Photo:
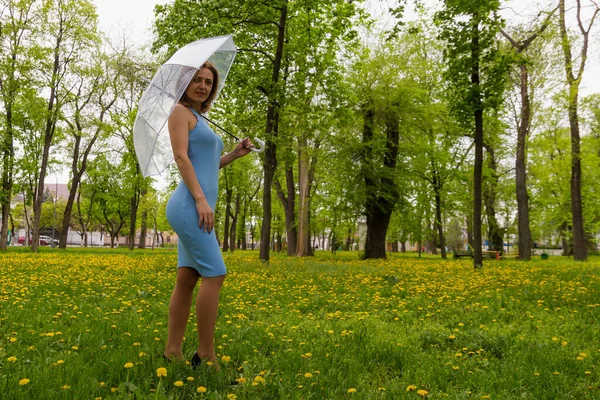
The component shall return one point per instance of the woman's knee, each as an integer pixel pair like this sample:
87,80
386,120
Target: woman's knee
186,278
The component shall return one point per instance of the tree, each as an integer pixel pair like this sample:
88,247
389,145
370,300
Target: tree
475,75
17,24
520,46
573,76
89,98
70,29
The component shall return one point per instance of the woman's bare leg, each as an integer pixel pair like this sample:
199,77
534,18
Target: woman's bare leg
179,310
207,306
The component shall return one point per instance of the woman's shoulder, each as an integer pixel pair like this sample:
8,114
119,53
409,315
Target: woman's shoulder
181,110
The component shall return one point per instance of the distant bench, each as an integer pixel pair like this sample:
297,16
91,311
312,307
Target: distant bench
493,255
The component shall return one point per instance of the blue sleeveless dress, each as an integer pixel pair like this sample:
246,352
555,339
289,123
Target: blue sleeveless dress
198,249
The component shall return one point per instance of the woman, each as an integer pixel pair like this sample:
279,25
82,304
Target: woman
197,152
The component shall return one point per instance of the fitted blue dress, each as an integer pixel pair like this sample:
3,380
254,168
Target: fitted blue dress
198,249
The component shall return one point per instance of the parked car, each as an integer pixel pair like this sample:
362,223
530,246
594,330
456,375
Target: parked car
44,241
48,241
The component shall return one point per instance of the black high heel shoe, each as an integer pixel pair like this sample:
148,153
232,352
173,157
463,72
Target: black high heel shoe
195,361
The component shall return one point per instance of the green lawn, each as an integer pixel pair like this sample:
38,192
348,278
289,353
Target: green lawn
91,323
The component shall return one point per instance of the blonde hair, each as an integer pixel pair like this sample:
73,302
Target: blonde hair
213,92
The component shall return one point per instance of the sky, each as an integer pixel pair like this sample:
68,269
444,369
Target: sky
135,17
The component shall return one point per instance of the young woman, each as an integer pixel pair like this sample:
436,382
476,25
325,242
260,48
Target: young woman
197,152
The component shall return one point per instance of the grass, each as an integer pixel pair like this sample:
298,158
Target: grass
91,323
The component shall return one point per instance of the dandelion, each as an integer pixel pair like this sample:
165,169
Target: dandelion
24,382
225,359
588,372
241,380
351,390
128,365
381,389
13,339
451,337
12,359
160,372
410,387
231,396
201,389
59,362
66,387
422,392
142,354
308,375
190,378
75,347
178,383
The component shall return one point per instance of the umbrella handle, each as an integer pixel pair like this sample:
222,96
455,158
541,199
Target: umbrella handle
261,147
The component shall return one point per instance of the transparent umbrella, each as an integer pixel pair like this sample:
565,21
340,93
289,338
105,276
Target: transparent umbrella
150,131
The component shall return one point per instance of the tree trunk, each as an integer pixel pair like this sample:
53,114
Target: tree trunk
381,194
134,202
143,230
521,169
234,218
478,167
270,157
437,189
288,200
495,233
228,196
306,172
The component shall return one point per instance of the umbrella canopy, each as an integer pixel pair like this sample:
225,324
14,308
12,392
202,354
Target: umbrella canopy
150,131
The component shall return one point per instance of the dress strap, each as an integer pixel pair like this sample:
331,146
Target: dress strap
196,114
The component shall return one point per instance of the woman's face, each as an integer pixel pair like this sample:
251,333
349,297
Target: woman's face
200,87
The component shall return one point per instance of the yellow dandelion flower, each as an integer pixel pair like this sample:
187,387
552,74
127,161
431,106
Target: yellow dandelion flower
114,390
75,347
13,339
12,359
241,380
351,390
128,365
178,383
225,359
201,389
160,372
410,387
60,362
66,387
588,372
422,392
190,378
142,354
308,375
451,337
24,382
381,389
231,396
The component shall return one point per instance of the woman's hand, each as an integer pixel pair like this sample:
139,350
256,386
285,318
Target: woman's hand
243,147
206,218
